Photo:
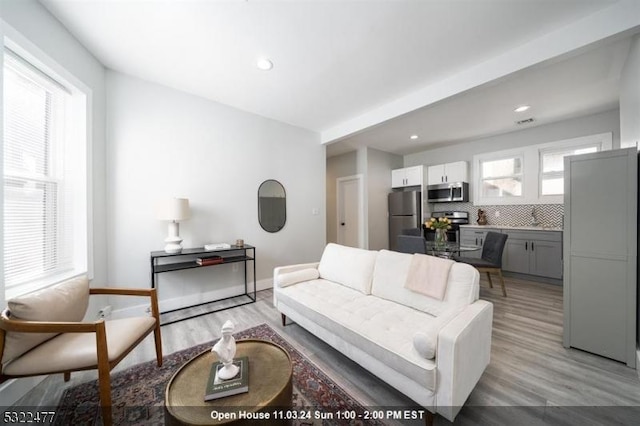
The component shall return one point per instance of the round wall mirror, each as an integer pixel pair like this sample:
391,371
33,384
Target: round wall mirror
272,205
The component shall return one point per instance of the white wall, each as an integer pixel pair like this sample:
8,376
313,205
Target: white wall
338,166
375,166
166,143
378,184
630,98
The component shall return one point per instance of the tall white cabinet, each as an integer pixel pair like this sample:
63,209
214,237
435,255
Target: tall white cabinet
600,253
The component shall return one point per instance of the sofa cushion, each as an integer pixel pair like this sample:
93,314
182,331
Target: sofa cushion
379,327
289,278
390,275
351,267
67,301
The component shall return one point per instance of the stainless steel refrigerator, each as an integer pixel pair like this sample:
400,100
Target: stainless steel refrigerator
404,213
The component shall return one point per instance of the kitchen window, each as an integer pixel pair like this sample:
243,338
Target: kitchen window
552,167
531,174
502,178
45,177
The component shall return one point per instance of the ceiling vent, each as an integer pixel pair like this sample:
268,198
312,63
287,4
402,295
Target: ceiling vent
525,121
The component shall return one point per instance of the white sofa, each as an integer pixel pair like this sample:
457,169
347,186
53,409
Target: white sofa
434,351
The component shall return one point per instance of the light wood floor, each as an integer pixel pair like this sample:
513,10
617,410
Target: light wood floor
531,374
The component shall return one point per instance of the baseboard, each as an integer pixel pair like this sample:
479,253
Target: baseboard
534,278
14,389
264,284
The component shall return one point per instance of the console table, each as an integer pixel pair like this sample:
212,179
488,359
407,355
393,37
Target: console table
187,260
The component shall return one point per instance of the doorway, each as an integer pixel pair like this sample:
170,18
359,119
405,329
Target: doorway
350,214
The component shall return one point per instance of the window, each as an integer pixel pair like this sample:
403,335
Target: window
44,179
532,174
502,178
552,167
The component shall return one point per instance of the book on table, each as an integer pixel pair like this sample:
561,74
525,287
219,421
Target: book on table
209,260
217,388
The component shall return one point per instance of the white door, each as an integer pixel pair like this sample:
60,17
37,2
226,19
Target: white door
350,212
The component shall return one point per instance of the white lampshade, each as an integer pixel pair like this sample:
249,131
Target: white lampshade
174,209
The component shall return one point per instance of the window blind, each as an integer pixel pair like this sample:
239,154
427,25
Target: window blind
36,224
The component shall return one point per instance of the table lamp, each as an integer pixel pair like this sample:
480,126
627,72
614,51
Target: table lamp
174,210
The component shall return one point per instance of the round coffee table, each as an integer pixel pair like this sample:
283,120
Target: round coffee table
270,372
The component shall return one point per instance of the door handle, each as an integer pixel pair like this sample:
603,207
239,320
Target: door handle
341,223
531,245
526,245
441,178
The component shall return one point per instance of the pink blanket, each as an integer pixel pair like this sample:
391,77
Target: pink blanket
428,275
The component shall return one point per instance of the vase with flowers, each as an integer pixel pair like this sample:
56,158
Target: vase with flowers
440,225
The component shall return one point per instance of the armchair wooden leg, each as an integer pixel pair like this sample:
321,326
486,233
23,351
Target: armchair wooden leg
104,375
489,278
67,376
158,341
155,311
428,420
504,289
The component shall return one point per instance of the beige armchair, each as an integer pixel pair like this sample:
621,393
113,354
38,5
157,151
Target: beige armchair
43,333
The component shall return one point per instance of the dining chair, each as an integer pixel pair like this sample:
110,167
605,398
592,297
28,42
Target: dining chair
416,232
491,258
44,333
411,244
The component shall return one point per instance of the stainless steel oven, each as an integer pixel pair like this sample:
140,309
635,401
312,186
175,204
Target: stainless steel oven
457,218
448,192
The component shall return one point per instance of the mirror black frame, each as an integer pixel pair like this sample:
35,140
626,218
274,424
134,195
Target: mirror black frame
275,227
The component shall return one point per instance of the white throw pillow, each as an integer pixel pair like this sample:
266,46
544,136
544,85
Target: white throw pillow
290,278
426,343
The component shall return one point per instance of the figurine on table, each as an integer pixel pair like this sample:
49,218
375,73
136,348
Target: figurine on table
225,348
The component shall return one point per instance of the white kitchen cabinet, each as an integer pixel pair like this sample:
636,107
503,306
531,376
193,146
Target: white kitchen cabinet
448,173
408,176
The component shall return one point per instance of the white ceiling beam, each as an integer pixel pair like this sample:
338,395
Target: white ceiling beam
620,17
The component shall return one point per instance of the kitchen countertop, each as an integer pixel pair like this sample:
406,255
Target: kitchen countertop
515,228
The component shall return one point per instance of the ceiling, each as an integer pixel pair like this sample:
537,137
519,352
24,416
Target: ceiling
574,86
334,61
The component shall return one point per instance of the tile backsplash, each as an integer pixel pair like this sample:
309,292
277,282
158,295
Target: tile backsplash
547,215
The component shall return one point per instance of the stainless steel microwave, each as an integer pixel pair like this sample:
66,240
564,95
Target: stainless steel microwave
448,192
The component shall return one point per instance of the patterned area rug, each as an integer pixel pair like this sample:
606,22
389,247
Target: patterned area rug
138,392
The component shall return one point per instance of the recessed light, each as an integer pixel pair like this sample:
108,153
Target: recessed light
264,64
522,108
414,137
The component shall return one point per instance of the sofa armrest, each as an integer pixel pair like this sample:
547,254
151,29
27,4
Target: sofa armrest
292,268
464,349
285,270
